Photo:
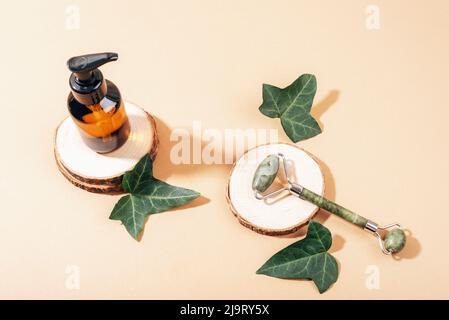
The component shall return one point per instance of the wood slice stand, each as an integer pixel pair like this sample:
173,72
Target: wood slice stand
102,173
284,214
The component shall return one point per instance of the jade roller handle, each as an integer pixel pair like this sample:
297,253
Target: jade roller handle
330,206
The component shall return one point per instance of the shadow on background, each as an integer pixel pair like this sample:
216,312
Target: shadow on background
195,203
164,167
321,107
412,247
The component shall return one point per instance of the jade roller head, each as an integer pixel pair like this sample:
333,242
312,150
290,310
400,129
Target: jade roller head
393,237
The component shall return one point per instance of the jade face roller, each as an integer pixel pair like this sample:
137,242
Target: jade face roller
266,172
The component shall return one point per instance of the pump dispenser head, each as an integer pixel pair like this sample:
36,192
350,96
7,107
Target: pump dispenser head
82,66
86,82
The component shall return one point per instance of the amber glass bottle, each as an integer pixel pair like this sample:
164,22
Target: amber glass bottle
95,104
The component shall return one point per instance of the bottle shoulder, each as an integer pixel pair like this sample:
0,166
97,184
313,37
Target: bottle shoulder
112,91
110,103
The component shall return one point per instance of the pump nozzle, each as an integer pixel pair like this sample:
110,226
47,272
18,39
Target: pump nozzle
82,66
86,81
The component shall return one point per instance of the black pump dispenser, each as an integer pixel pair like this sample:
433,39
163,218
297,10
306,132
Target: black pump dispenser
95,103
82,66
87,81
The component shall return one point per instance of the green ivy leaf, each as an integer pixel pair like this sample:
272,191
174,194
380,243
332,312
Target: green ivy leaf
148,195
292,105
139,176
132,211
160,196
306,259
270,105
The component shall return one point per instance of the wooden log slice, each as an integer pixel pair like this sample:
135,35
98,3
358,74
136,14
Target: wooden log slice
285,213
102,173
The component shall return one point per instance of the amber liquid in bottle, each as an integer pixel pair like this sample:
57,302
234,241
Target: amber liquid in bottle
104,126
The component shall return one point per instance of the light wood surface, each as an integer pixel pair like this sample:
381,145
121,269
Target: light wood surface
283,214
102,173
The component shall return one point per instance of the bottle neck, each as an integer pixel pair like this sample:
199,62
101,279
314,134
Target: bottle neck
88,91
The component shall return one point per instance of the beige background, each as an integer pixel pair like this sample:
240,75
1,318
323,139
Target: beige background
382,102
